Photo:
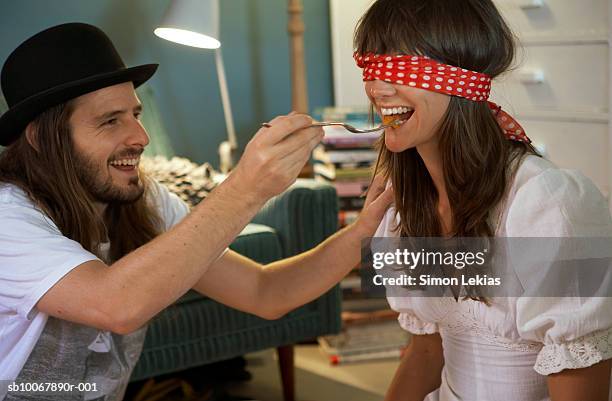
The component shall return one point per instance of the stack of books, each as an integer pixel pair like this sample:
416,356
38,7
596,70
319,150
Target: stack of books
346,160
365,338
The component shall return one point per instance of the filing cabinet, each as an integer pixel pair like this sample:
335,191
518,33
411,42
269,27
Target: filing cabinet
559,88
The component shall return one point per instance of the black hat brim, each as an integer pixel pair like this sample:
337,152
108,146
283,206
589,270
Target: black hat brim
14,121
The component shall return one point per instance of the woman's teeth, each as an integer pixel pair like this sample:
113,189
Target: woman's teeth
396,116
395,110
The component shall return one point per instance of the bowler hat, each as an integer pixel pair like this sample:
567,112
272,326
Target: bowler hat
56,65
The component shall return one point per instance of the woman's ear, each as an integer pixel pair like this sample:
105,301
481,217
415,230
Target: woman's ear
31,133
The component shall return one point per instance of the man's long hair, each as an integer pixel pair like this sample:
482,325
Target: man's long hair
46,172
478,161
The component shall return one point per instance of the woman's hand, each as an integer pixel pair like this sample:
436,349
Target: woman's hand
376,204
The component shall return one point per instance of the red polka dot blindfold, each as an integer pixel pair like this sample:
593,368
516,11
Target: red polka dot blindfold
424,73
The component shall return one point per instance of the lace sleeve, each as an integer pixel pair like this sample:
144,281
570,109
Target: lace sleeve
580,353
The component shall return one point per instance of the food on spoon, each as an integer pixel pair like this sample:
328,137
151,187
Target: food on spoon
395,116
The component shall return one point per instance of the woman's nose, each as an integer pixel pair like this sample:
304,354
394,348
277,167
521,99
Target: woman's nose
380,89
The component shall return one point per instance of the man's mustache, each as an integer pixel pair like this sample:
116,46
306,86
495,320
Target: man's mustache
127,153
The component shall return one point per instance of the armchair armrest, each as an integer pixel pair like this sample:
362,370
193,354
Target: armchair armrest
303,216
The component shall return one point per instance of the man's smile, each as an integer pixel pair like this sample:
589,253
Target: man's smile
126,164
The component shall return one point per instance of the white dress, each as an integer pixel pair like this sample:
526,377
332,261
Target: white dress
503,351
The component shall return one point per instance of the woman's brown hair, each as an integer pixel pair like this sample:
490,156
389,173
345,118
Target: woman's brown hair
478,161
49,177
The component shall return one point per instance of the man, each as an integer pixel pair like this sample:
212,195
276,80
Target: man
91,250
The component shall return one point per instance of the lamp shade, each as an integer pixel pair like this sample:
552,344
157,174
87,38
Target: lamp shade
191,22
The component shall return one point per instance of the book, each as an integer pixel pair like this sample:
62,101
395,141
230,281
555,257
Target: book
340,137
384,339
346,217
348,143
351,282
331,172
366,356
351,203
334,156
357,302
348,188
352,113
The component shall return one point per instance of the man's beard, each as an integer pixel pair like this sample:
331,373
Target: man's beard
105,191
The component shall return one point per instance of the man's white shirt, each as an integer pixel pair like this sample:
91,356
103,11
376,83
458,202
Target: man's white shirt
34,256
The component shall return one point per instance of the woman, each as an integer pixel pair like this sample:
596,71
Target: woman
462,167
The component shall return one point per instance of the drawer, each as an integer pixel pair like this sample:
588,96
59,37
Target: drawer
554,20
580,146
562,78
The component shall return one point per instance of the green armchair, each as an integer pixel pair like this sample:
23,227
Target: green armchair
197,330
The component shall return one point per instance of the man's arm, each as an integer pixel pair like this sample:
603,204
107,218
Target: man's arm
271,291
592,383
132,290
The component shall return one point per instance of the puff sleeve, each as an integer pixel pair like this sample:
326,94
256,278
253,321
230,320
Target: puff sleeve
575,330
408,318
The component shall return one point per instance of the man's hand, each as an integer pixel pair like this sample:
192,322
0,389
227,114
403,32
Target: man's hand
274,157
376,204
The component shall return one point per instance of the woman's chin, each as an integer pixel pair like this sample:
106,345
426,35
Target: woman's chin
399,139
395,146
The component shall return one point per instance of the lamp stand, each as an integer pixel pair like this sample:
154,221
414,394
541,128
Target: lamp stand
228,148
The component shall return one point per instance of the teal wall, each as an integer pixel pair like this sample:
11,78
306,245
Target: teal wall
255,51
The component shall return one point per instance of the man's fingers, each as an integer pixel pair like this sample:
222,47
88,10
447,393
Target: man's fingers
274,156
385,199
275,120
317,138
372,213
379,181
299,154
282,127
379,205
376,188
300,140
281,117
296,164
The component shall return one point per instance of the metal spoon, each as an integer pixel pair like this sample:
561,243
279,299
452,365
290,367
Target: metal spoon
348,127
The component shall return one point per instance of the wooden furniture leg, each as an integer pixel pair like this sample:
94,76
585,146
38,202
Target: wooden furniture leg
287,371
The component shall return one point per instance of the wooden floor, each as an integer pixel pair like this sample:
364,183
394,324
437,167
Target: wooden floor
316,379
